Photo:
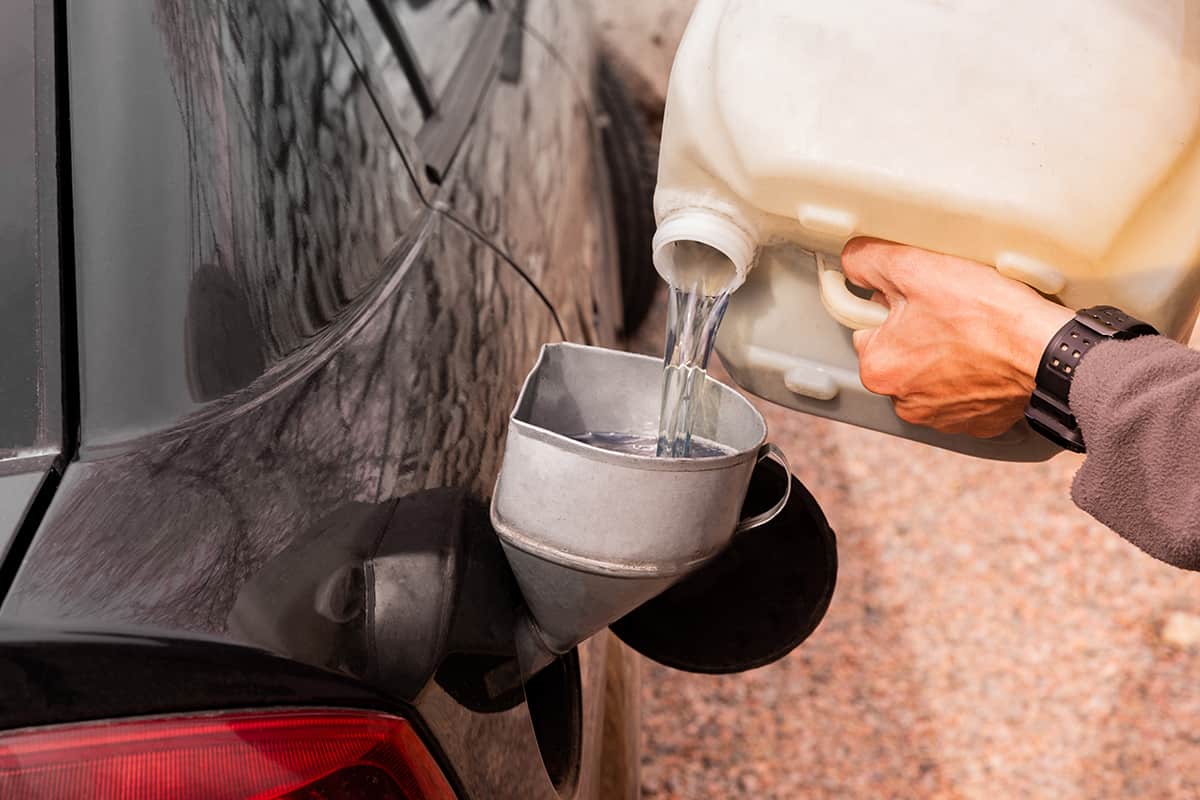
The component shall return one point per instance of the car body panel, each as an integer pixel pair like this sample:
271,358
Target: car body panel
417,388
31,392
557,26
519,185
177,173
61,675
16,496
237,389
568,30
250,481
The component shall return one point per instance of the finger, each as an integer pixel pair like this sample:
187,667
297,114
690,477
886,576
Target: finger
863,337
868,263
900,271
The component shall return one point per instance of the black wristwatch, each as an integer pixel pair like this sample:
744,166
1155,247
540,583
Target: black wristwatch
1049,411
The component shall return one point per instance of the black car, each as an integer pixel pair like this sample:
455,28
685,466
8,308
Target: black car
273,272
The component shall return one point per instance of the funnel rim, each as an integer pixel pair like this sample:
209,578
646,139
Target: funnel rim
595,566
632,460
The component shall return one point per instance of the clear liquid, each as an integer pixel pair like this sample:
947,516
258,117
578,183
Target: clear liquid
692,321
642,445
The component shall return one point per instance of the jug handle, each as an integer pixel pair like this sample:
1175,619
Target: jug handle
843,305
772,452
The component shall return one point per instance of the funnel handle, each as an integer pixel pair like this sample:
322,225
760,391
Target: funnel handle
843,305
769,450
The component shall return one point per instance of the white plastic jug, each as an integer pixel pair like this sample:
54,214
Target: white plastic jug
1057,141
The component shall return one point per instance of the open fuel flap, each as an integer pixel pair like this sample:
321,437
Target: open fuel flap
753,604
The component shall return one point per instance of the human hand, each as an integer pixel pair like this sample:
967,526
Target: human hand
961,344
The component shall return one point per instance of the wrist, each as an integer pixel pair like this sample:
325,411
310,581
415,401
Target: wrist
1049,411
1038,325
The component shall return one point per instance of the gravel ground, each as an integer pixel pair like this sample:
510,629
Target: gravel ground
986,640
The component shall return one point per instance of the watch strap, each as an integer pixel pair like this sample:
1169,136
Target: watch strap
1049,410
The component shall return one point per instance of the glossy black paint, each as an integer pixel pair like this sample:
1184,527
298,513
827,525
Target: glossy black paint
18,210
396,593
50,676
442,134
277,198
281,315
32,411
38,405
16,493
549,165
24,499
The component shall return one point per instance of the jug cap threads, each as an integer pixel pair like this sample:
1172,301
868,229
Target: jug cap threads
710,228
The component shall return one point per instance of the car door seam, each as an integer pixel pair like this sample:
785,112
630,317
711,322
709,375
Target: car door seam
449,214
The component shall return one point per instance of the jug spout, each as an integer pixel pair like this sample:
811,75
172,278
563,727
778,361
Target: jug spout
701,246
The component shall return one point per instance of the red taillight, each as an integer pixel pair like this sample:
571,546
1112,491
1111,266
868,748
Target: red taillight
272,754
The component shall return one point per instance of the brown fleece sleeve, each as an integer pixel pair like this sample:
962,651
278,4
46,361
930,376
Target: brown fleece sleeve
1138,407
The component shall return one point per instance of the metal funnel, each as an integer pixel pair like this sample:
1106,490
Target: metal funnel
591,534
570,603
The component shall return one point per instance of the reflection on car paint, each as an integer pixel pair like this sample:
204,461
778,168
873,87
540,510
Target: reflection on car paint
395,593
439,33
337,341
296,187
416,398
529,154
168,534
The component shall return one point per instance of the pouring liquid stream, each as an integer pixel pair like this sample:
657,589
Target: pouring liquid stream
694,314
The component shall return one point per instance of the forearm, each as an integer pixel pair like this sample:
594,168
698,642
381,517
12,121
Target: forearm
1138,406
959,352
